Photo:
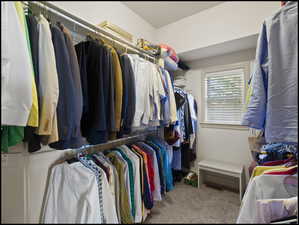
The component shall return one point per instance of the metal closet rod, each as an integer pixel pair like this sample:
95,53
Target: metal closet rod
114,143
101,147
86,25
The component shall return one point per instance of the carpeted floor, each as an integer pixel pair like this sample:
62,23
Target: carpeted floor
187,204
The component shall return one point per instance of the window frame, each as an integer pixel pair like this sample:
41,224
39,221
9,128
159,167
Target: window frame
245,66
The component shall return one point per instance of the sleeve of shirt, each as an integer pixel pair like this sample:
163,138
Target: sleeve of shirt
148,90
159,93
173,111
161,90
256,112
48,79
247,211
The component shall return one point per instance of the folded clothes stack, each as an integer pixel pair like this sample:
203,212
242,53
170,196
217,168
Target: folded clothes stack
171,60
170,57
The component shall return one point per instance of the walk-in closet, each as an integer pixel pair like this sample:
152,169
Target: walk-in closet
144,112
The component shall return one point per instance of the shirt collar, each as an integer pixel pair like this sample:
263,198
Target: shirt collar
288,3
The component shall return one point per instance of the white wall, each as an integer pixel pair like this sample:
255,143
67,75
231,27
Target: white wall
115,12
222,23
227,145
24,178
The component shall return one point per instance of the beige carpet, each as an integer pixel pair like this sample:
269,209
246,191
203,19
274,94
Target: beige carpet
187,204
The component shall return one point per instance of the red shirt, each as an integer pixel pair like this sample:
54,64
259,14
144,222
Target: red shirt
150,167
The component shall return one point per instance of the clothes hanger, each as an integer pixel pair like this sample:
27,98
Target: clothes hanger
125,52
75,27
46,14
89,37
72,160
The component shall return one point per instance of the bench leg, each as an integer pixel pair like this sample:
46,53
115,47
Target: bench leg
240,187
199,178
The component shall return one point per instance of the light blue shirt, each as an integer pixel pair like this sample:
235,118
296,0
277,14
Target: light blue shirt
165,102
273,105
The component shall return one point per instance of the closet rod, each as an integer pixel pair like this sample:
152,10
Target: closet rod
109,145
84,24
115,143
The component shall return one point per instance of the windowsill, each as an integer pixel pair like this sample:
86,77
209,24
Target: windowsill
223,126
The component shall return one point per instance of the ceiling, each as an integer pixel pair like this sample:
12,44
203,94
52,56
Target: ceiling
161,13
220,49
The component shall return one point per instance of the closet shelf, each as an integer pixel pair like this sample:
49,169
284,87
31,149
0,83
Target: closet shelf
49,8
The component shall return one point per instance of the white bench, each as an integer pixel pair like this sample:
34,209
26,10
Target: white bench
233,170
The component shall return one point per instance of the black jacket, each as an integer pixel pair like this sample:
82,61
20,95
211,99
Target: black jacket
91,61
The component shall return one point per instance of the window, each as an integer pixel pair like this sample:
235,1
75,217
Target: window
224,94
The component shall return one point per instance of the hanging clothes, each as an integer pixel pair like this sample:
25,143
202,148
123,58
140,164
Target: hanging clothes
130,181
75,71
141,71
30,132
66,120
273,104
156,178
87,93
61,202
93,121
137,186
16,75
118,94
33,116
125,213
109,73
10,136
129,95
265,187
108,213
123,183
182,135
49,86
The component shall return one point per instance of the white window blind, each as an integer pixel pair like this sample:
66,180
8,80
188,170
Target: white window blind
224,96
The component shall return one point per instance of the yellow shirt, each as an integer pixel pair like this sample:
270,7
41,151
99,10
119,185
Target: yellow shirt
259,170
280,169
118,82
33,116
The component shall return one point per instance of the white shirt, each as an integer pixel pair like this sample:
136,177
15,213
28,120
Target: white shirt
157,93
193,118
16,69
264,187
72,195
113,181
173,111
108,200
141,70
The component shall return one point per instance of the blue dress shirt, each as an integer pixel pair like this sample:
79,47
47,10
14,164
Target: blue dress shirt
273,105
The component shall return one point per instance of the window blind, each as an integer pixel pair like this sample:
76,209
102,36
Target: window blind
224,96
